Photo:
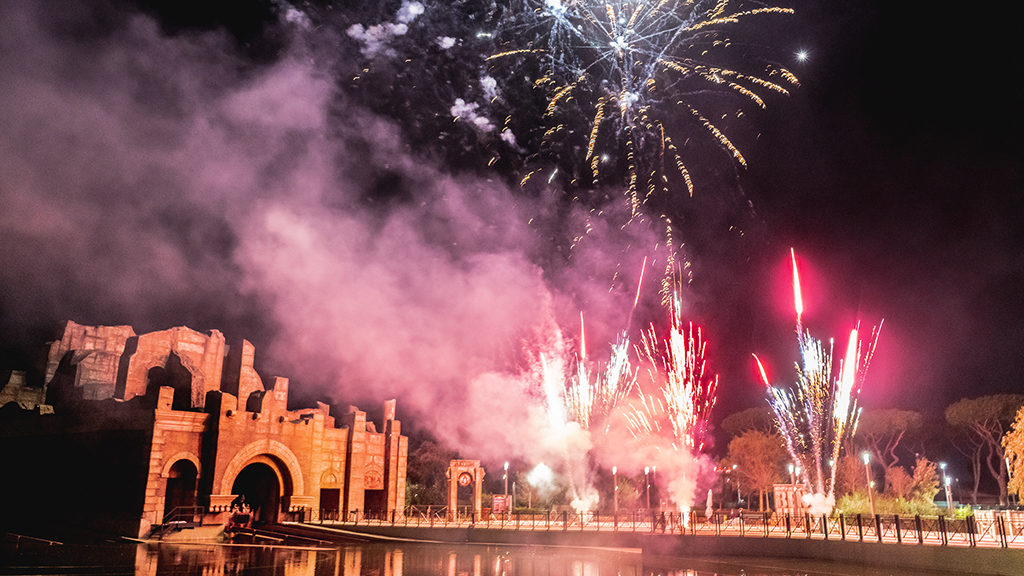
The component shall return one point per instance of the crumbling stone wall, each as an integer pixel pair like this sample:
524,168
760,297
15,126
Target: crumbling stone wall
186,396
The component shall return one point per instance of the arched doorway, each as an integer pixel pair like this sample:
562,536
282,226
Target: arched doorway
259,485
464,474
180,490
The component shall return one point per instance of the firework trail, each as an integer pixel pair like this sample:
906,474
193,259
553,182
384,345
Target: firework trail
635,64
817,416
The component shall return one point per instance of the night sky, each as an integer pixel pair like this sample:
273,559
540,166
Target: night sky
250,168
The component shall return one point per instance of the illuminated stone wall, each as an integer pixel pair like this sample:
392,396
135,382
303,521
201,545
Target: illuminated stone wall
198,406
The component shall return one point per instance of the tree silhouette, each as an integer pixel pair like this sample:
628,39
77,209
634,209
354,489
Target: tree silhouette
982,422
882,432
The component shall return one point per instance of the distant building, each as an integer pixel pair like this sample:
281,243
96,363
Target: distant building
130,427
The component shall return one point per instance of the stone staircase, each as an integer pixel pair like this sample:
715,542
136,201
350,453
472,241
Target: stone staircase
210,533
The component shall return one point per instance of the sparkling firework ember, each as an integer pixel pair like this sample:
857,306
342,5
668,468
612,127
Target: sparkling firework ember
636,64
822,412
591,399
592,395
687,394
682,407
578,404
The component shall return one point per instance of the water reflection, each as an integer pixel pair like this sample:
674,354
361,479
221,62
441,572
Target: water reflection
398,559
184,560
383,560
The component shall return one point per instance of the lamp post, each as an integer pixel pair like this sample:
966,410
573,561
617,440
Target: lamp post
949,490
615,490
792,477
739,497
505,477
654,474
647,485
1009,480
866,456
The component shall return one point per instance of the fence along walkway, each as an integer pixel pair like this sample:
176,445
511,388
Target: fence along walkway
989,529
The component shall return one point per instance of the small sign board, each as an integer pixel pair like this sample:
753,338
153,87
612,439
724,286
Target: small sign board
498,504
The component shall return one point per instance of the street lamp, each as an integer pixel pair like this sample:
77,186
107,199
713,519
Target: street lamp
739,490
792,478
615,490
949,490
505,477
866,456
647,485
1009,480
654,473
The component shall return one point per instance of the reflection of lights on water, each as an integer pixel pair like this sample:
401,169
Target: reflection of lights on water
584,568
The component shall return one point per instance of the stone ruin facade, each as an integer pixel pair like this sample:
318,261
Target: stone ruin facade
129,428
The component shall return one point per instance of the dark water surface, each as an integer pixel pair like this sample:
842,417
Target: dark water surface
398,559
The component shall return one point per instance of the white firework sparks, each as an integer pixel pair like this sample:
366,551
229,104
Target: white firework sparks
638,58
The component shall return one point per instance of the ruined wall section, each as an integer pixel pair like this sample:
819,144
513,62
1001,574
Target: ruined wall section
89,355
239,377
19,392
202,355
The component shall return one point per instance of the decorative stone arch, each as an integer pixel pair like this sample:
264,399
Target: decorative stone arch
251,452
177,494
330,480
464,473
170,462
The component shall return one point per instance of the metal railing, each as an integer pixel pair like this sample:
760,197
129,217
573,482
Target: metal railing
998,530
178,518
183,515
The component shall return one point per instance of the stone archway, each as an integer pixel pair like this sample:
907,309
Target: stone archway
264,447
260,486
464,473
267,470
180,482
